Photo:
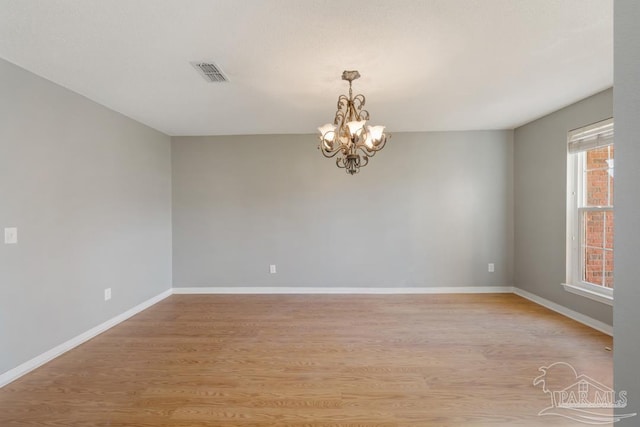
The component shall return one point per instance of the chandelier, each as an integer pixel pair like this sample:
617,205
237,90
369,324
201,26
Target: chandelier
349,136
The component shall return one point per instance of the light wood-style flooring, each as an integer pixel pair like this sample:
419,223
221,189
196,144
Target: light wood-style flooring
313,360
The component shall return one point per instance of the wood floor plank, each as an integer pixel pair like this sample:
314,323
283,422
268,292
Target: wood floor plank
313,360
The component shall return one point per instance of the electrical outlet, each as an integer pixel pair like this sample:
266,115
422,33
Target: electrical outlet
272,269
10,235
491,267
107,294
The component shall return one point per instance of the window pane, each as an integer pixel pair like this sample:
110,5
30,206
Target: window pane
608,269
608,229
593,265
594,229
597,158
597,247
597,187
598,177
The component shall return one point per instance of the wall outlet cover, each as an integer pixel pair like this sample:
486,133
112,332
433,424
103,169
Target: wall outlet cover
10,235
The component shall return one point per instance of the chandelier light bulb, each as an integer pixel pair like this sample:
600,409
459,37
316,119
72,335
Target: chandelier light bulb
375,133
327,135
356,127
328,131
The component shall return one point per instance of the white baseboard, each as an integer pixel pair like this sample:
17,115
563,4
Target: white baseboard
578,317
47,356
342,290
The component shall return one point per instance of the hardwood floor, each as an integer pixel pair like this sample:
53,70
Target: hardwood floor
313,360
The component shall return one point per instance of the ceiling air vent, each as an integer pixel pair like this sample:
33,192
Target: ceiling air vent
210,71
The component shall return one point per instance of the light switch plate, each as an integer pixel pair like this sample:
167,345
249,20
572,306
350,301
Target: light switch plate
272,269
10,235
107,294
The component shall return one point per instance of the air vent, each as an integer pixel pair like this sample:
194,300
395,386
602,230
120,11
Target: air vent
210,71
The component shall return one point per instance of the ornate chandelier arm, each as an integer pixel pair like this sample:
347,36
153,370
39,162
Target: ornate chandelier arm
342,111
365,150
365,159
363,115
358,102
329,153
352,163
382,143
343,101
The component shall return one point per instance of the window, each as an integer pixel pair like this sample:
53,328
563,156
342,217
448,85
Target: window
583,388
590,213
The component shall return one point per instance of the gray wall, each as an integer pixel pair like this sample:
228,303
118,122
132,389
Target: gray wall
90,193
627,201
540,188
431,209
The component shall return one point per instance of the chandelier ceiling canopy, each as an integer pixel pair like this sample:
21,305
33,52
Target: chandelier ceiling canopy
349,136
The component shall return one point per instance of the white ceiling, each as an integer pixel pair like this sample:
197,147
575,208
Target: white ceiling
425,64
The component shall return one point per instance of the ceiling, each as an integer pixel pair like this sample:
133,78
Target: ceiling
425,64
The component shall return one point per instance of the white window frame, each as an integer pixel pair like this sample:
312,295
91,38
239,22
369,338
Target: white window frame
579,141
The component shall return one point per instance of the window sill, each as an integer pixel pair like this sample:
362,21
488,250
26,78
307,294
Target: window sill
596,296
